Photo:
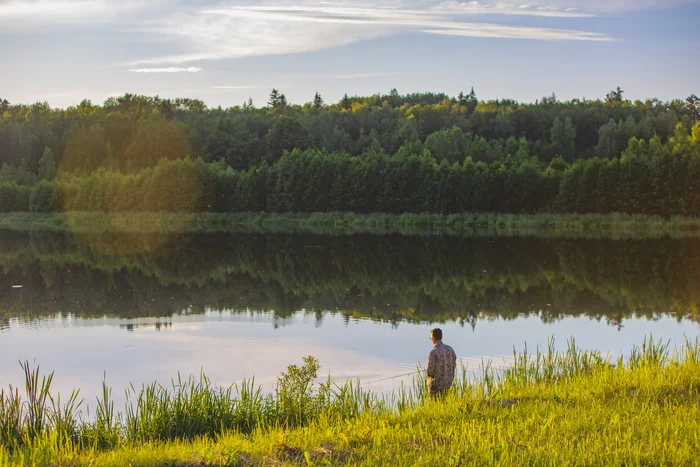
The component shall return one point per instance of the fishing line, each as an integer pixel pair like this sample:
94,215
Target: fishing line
461,360
394,377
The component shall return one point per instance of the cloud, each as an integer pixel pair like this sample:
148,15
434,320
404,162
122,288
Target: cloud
495,8
247,31
608,6
192,69
62,11
507,32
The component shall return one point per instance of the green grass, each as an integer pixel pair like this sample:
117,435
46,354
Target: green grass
550,408
466,224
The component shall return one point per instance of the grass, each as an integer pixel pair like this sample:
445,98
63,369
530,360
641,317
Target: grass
466,224
549,408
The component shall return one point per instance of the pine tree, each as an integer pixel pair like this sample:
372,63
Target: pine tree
693,103
274,101
346,103
471,101
614,98
318,101
394,97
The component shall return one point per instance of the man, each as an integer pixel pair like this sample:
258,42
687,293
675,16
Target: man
442,362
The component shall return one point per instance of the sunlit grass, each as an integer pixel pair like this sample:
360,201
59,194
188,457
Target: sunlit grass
548,408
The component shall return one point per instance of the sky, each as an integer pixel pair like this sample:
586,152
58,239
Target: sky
224,52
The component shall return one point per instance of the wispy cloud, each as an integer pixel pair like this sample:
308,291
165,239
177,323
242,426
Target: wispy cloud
605,6
63,11
192,69
256,30
510,9
506,32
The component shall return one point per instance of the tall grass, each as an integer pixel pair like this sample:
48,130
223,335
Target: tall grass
36,424
38,414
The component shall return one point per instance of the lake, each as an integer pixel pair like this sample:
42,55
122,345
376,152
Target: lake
143,307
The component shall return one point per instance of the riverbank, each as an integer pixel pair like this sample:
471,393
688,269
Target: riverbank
570,408
339,223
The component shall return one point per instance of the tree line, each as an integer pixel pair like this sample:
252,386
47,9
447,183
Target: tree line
649,178
384,153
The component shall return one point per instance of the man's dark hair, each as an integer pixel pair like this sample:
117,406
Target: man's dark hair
436,333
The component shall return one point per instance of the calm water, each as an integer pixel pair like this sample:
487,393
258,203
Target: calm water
145,307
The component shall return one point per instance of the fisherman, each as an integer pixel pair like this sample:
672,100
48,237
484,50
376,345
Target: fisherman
442,362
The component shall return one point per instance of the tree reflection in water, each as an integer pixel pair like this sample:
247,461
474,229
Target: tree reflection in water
387,278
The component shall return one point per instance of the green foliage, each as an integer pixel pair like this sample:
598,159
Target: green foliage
23,421
451,145
296,392
614,98
13,197
438,176
21,175
285,135
45,197
275,99
346,102
47,165
155,140
441,154
564,138
86,149
233,142
318,101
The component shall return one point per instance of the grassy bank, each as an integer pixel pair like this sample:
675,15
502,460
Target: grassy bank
569,408
475,224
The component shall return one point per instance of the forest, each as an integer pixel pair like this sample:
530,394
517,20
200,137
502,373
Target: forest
389,153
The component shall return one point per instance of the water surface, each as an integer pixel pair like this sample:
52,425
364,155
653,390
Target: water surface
143,307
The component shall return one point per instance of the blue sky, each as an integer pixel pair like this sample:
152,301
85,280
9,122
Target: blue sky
224,52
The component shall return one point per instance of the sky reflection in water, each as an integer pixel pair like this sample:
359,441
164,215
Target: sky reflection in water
232,346
142,307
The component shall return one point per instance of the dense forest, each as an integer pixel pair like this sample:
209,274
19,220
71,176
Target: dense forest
384,153
388,278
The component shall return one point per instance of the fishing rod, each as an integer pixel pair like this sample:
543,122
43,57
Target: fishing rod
461,360
394,377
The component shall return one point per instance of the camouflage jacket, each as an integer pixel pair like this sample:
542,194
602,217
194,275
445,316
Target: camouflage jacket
442,363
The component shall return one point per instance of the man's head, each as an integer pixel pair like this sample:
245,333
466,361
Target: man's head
436,335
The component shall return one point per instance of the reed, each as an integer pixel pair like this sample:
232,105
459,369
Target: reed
509,416
616,225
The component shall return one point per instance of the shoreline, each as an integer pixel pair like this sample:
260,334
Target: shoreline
550,407
613,226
